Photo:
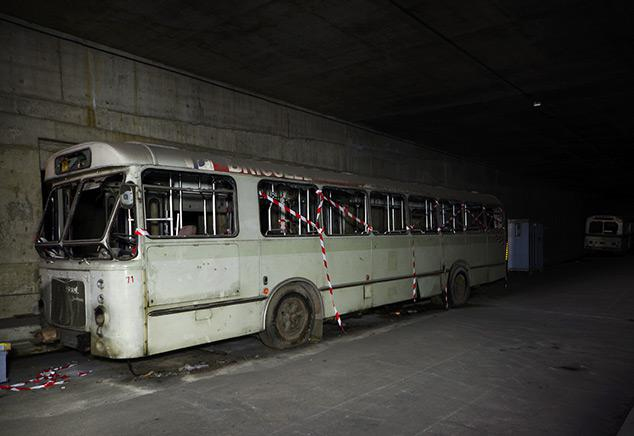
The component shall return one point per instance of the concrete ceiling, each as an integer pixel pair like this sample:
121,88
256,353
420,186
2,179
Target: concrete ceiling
460,75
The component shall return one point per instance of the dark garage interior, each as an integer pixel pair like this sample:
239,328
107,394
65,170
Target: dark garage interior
526,102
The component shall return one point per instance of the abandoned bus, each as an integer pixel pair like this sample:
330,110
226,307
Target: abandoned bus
608,233
149,248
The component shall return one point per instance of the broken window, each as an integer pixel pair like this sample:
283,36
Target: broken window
388,212
95,208
338,223
181,204
56,212
422,214
494,217
95,204
451,216
477,217
298,197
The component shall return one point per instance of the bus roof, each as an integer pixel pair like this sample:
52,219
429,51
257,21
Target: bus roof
106,155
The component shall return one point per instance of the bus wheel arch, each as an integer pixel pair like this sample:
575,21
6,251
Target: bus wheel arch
297,295
459,284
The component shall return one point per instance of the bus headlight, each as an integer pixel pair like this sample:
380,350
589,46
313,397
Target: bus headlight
100,315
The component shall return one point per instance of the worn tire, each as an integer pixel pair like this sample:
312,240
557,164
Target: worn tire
459,288
289,319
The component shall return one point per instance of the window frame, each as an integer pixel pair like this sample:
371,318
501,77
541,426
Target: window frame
291,183
433,215
389,208
236,220
366,206
483,209
441,202
63,243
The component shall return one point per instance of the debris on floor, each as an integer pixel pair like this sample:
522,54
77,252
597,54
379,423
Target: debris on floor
48,378
190,368
185,369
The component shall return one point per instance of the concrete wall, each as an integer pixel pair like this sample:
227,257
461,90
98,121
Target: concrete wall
55,91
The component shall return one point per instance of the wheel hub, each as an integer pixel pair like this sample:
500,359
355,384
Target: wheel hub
292,318
460,287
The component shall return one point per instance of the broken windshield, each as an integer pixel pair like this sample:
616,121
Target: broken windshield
78,215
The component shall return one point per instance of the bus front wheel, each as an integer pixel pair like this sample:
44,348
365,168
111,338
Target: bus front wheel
459,288
288,321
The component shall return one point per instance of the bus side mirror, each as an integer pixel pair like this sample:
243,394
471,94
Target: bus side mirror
126,192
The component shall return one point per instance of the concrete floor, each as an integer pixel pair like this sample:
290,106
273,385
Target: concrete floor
553,354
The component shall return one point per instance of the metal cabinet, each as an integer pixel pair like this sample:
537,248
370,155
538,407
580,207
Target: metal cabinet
526,245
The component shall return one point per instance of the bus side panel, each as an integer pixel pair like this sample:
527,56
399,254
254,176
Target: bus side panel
187,271
186,329
285,258
454,248
391,257
476,254
349,261
428,260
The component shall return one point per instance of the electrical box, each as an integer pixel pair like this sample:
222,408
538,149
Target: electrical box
4,347
526,245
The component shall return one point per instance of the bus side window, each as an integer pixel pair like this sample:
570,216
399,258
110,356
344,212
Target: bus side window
189,204
450,216
422,216
387,212
298,197
498,218
478,218
334,221
378,212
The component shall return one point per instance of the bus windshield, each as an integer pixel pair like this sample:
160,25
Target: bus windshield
84,219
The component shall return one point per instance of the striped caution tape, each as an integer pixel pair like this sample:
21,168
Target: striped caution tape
330,289
414,284
345,210
288,210
320,232
45,379
477,218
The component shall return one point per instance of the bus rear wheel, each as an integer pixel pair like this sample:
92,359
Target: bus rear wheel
459,287
288,321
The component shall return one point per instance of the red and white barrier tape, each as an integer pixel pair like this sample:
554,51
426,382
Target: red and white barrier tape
345,211
330,289
414,284
141,232
51,377
320,232
483,225
288,210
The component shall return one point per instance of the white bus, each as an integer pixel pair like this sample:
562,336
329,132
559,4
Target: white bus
148,248
608,233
